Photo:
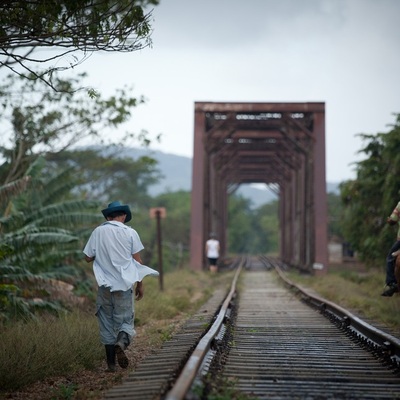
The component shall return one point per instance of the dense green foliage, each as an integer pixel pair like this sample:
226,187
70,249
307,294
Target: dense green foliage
103,175
46,224
266,219
370,198
252,231
334,217
41,121
40,230
50,198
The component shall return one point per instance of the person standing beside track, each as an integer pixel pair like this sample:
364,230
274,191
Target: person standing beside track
115,249
391,282
212,252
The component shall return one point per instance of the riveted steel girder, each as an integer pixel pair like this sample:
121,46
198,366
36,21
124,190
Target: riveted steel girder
279,144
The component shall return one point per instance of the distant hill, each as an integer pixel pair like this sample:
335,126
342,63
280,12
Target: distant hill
177,172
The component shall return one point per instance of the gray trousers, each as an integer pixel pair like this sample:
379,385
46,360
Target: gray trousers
390,263
115,313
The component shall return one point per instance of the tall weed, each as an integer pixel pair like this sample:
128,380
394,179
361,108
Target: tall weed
33,350
359,291
184,291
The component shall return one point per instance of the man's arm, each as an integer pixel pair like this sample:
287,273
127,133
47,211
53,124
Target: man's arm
139,290
89,259
391,221
137,257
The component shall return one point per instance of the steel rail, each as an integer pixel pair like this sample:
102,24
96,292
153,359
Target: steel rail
385,341
191,368
283,347
202,352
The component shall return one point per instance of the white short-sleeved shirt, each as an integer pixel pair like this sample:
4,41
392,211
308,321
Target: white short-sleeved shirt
212,248
113,244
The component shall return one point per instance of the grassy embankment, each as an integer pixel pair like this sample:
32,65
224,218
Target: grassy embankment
33,351
68,346
358,289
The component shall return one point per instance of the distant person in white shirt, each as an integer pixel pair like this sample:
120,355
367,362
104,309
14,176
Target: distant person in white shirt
212,252
114,249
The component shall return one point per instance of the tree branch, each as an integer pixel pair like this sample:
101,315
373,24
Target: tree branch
80,26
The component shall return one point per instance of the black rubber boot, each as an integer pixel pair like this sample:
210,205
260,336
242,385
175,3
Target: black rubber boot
392,288
110,353
120,346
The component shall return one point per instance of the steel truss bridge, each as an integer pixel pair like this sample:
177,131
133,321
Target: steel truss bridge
281,145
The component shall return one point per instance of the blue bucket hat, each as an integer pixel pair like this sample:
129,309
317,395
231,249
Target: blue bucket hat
117,206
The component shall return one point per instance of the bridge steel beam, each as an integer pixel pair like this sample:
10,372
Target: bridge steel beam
279,144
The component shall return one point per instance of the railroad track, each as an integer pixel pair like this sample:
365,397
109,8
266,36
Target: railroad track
269,341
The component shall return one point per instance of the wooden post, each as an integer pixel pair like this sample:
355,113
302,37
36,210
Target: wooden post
159,213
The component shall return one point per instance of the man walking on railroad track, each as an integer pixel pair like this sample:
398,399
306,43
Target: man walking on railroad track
212,252
115,249
391,282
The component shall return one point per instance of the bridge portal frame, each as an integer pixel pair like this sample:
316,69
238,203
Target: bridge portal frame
279,144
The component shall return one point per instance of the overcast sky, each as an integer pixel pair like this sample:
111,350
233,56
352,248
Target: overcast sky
345,53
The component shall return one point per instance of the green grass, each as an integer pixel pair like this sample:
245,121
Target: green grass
64,392
31,351
184,291
37,349
357,290
223,389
